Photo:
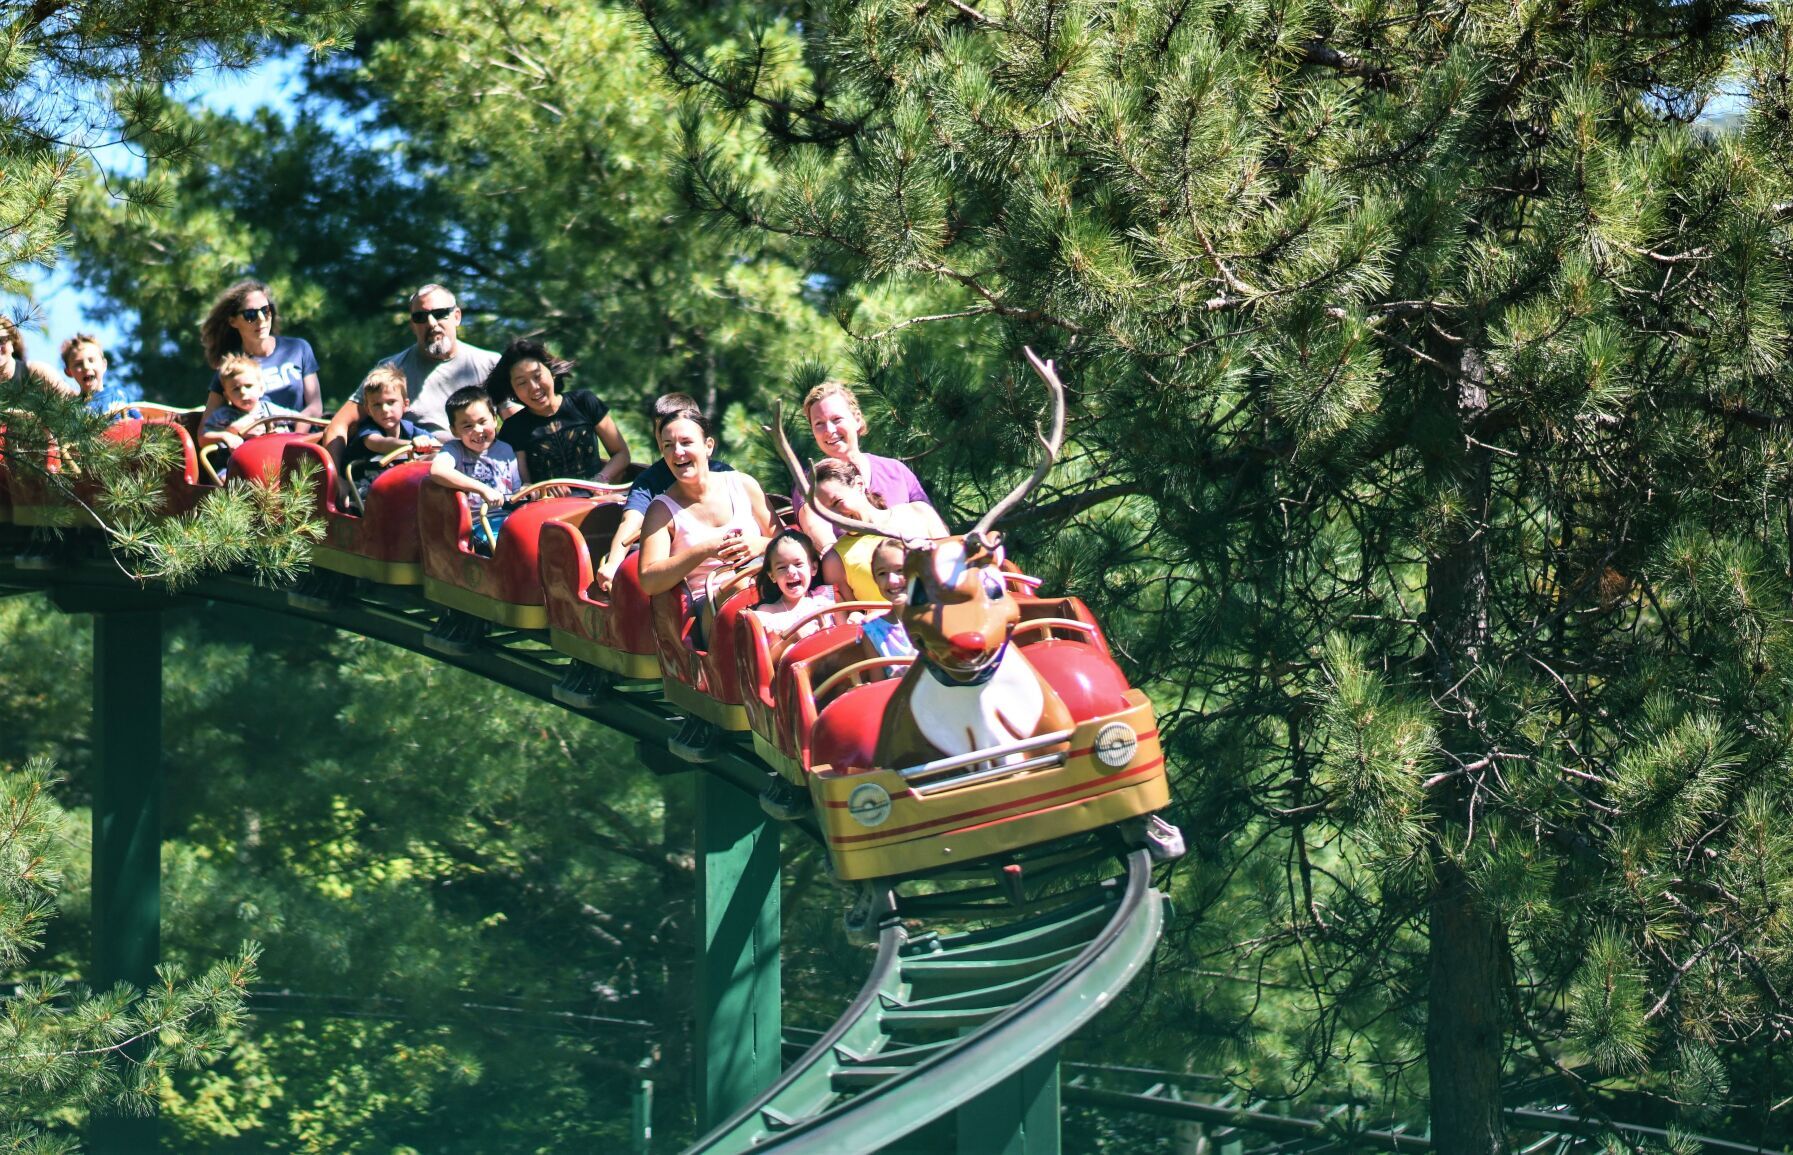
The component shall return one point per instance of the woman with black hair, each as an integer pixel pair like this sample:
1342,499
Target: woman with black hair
555,434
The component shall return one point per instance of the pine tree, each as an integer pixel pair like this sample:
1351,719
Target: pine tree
63,1049
521,153
83,77
1426,458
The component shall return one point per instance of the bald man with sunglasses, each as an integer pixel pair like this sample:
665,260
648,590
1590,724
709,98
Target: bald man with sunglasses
440,362
434,367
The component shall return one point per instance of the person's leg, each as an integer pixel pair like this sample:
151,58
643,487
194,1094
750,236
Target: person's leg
706,611
484,543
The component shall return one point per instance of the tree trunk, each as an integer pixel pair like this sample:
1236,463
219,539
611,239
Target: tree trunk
1466,1001
1465,1020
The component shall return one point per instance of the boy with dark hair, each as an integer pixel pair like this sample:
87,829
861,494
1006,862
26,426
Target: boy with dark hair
477,463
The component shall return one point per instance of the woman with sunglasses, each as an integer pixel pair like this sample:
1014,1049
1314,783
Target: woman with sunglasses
245,320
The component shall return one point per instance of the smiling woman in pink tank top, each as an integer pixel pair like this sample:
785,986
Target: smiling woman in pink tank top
705,522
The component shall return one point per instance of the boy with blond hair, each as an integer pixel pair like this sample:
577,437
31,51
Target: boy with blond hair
240,378
383,427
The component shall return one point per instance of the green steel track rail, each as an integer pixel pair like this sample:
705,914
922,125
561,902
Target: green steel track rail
1251,1129
941,1020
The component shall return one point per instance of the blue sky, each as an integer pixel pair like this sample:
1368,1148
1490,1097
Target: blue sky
64,309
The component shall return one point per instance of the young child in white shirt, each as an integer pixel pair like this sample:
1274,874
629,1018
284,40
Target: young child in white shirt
787,585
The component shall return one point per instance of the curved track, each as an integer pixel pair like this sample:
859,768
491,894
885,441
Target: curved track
940,1020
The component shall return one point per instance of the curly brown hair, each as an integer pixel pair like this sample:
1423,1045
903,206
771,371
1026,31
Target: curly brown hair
215,333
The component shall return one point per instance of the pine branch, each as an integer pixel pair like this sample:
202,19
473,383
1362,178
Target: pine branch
1318,52
1065,508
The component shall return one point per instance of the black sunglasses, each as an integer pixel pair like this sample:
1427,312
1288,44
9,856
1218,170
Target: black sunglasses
266,310
420,316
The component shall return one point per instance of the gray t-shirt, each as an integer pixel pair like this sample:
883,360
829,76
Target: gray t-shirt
428,383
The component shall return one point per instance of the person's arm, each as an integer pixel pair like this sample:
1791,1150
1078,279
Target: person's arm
819,529
762,515
213,401
52,380
834,572
662,567
444,473
523,469
342,423
313,405
379,443
628,532
612,439
216,431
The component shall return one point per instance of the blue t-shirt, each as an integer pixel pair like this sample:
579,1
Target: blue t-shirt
367,427
657,479
888,635
122,393
283,372
496,467
227,414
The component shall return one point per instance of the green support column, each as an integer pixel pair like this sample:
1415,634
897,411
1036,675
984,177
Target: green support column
1018,1116
127,827
738,999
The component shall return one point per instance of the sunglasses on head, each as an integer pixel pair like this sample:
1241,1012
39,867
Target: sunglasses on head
266,310
422,316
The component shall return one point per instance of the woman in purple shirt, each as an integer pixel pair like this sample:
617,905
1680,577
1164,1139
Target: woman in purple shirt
835,420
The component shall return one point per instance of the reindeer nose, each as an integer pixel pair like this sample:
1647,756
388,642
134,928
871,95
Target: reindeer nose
970,642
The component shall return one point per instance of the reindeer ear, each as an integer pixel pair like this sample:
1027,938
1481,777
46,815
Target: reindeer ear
979,546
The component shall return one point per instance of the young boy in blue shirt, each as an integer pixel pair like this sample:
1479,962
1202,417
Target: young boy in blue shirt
383,427
243,406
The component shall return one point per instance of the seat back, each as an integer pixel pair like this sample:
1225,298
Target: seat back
845,736
444,529
1083,675
754,672
673,623
258,459
515,568
722,673
631,614
294,454
182,488
1066,618
806,664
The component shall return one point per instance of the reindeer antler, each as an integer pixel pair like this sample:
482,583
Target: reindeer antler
802,478
1049,374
